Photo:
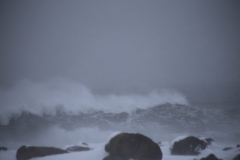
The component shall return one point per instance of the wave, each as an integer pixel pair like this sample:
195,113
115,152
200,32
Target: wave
73,98
175,116
162,122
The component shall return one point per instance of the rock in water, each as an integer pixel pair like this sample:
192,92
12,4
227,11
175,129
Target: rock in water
25,153
3,149
135,146
237,157
188,146
210,157
115,158
227,148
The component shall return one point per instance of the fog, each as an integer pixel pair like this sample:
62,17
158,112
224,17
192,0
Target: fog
118,47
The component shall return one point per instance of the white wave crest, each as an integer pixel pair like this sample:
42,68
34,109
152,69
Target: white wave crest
74,98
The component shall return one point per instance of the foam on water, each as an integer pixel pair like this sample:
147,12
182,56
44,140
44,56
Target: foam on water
74,98
58,137
34,113
98,152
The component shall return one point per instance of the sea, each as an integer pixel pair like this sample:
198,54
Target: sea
61,113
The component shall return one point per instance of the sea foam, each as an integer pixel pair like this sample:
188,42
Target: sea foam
74,98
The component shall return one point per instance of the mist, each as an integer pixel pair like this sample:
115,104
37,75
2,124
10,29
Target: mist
123,47
67,96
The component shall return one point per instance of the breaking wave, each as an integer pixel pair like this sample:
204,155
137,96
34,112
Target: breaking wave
73,112
72,98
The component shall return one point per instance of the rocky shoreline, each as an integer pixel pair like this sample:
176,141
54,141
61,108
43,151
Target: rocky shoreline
125,146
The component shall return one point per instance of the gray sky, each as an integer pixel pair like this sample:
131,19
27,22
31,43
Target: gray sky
122,45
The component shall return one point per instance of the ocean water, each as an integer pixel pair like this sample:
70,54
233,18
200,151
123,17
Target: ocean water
61,113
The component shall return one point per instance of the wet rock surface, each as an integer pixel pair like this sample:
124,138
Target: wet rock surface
188,146
132,146
25,153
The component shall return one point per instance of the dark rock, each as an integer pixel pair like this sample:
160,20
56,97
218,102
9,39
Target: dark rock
115,158
84,143
188,146
77,149
227,148
3,149
210,157
25,153
237,157
238,145
136,146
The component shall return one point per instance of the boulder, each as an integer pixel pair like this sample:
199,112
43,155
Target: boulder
3,149
132,146
227,148
115,158
25,153
210,157
188,146
84,143
237,157
77,149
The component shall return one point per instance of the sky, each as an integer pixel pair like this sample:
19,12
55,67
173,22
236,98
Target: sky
124,46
